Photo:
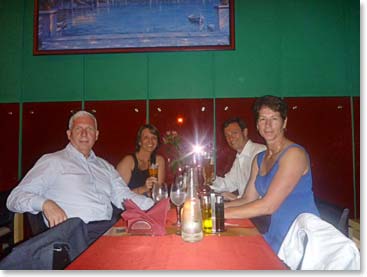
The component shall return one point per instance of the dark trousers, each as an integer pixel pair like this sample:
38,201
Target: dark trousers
98,228
52,249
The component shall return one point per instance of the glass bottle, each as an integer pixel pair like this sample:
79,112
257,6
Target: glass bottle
206,211
191,230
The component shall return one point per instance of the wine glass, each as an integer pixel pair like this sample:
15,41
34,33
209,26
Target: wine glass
159,192
178,196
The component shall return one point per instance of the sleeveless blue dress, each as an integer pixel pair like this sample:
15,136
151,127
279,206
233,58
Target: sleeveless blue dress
300,200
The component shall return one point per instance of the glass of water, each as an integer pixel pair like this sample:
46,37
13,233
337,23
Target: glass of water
178,197
159,192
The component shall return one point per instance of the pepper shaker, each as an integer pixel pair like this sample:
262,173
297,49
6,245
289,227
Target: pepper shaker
219,213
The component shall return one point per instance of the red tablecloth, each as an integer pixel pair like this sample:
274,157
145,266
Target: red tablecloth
172,253
236,250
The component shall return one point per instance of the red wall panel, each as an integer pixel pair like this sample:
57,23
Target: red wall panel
225,109
323,127
357,133
118,123
9,126
197,126
44,129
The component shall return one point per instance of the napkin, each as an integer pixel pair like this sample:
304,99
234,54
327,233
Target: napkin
151,222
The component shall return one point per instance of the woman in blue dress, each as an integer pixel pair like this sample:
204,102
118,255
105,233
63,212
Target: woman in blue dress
280,184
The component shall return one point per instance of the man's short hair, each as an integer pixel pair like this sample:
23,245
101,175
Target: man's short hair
80,114
237,120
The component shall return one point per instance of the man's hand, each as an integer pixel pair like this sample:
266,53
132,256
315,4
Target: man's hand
54,214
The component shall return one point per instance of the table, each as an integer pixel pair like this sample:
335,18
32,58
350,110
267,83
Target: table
240,247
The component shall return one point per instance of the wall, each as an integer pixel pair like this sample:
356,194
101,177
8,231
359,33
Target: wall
302,49
314,123
286,47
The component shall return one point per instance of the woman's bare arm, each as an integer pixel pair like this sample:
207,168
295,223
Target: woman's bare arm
292,166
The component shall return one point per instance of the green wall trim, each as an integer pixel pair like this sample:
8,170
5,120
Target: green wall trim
21,79
214,136
214,114
147,108
20,141
148,90
353,158
84,84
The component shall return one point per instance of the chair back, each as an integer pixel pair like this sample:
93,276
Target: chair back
6,225
334,214
262,223
36,223
326,247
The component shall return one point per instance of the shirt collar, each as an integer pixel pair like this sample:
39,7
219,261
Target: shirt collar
75,152
246,150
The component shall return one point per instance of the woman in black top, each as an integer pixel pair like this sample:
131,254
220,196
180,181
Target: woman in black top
134,168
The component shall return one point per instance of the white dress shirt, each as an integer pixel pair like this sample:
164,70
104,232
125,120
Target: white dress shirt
82,187
237,177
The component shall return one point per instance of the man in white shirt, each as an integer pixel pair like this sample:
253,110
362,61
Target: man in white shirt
234,182
74,182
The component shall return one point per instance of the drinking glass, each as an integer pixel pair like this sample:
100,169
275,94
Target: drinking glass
178,197
153,170
208,163
159,192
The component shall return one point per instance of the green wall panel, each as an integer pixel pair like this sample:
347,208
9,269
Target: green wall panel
180,75
49,78
57,78
353,47
253,68
117,76
11,22
286,47
314,49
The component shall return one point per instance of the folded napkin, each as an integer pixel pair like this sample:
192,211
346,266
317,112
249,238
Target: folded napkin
151,222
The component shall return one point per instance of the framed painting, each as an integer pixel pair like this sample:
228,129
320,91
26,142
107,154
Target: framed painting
115,26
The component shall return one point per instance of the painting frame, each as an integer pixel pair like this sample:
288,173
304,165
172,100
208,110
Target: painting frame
48,41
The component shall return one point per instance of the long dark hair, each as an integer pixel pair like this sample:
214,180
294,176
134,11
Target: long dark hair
155,132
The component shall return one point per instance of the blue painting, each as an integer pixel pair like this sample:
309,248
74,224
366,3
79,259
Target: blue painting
100,26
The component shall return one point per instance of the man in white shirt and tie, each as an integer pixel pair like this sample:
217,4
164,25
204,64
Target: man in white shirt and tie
234,182
74,182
